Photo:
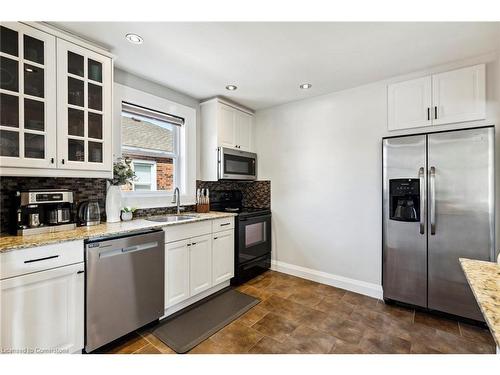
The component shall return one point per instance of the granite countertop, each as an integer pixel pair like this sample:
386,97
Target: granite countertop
10,242
484,279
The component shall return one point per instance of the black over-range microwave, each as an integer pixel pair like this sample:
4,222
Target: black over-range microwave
236,164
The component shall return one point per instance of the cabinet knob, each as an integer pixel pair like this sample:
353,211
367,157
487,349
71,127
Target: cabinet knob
52,160
62,161
215,238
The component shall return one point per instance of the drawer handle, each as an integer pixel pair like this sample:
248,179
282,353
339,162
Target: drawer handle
79,272
215,238
40,259
223,225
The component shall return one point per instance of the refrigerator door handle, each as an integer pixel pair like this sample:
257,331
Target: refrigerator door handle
432,197
421,176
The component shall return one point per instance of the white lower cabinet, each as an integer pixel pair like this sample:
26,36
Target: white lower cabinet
222,256
176,272
43,312
200,261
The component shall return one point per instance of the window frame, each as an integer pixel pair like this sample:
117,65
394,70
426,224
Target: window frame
185,163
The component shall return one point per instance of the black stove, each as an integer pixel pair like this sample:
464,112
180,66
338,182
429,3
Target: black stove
252,240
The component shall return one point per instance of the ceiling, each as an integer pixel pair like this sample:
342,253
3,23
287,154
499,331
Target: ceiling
268,61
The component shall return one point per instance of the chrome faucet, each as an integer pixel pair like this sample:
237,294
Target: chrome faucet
177,199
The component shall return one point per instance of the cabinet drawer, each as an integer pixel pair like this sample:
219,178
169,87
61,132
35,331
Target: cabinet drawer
34,259
183,231
222,224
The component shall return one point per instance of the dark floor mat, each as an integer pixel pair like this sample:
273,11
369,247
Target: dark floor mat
185,331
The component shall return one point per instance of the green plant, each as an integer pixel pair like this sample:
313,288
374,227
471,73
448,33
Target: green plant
129,209
122,172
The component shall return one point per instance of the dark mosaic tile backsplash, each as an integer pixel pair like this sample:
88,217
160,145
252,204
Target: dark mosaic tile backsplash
255,193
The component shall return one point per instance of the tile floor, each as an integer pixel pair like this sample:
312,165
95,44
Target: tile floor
300,316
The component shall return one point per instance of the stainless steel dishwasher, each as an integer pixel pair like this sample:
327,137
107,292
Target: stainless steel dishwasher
124,285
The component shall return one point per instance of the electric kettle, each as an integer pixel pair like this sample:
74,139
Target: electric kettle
89,213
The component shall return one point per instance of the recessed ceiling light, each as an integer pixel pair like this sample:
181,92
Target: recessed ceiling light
305,86
134,38
231,87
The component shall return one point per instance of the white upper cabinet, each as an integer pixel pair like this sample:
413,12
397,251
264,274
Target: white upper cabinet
410,104
459,95
27,97
444,98
226,129
47,134
223,124
234,128
243,125
84,81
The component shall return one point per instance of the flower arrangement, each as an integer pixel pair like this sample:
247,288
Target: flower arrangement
122,172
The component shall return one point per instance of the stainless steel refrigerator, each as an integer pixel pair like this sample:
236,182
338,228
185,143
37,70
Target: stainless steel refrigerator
438,206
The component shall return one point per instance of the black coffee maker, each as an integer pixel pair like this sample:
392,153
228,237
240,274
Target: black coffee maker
42,211
404,199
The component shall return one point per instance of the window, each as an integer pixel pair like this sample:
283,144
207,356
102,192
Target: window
151,139
145,171
175,158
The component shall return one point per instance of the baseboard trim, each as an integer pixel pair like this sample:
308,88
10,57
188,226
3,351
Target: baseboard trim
353,285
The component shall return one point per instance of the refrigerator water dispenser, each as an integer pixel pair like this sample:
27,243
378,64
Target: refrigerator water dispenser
404,202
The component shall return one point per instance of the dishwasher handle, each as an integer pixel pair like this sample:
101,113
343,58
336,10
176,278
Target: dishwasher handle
144,246
127,250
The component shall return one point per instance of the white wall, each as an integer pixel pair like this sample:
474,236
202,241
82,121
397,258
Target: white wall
323,157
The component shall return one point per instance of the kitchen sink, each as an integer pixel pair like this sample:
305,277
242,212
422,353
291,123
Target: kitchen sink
171,218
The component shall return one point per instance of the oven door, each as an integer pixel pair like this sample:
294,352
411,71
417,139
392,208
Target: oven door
254,238
236,164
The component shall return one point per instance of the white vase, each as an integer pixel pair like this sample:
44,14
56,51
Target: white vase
113,204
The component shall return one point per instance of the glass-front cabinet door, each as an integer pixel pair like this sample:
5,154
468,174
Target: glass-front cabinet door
84,85
27,97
